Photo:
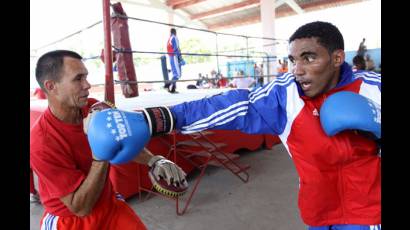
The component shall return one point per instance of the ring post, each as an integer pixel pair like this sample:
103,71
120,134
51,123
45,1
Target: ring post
109,81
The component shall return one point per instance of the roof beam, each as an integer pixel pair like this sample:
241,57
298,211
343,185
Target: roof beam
235,23
178,4
157,4
187,3
312,6
225,9
175,2
243,21
294,6
282,13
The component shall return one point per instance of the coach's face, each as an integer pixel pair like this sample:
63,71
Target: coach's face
315,69
72,88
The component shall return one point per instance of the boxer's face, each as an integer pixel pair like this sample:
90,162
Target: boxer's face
315,69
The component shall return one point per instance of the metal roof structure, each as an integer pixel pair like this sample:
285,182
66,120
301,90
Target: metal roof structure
222,14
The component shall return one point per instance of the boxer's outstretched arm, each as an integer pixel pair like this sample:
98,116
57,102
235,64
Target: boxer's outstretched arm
261,111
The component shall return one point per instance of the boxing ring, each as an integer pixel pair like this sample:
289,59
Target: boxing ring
197,151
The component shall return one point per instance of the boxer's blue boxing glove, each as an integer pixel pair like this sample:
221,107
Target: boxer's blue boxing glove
181,61
96,107
350,111
117,136
137,127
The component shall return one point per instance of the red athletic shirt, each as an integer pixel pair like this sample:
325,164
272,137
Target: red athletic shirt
40,94
61,157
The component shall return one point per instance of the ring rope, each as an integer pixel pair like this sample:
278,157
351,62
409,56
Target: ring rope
70,35
123,50
191,28
184,80
115,15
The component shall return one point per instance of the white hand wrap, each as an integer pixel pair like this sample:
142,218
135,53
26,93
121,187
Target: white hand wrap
98,106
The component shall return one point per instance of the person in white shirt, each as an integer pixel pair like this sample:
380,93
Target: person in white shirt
242,82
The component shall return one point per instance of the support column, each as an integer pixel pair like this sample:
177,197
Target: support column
268,30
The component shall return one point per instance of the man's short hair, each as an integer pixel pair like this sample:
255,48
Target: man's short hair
173,31
326,33
50,64
359,62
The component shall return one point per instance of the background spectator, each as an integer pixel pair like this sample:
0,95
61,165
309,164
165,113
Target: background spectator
242,82
369,63
362,48
359,63
222,81
283,67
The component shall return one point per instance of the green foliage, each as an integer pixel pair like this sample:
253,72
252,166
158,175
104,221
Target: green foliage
195,45
140,61
233,49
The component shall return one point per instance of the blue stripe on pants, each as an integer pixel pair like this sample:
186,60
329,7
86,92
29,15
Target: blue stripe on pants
175,67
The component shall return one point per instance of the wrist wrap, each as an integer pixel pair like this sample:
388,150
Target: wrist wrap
160,120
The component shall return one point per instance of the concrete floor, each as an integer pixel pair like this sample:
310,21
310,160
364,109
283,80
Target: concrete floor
223,202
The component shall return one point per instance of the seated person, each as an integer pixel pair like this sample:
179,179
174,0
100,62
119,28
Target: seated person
222,82
283,68
369,63
199,81
204,83
359,63
242,82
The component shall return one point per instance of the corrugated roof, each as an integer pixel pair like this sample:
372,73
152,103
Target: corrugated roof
208,5
218,14
245,13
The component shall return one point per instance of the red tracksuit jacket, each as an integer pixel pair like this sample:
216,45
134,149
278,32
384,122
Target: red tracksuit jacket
339,176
